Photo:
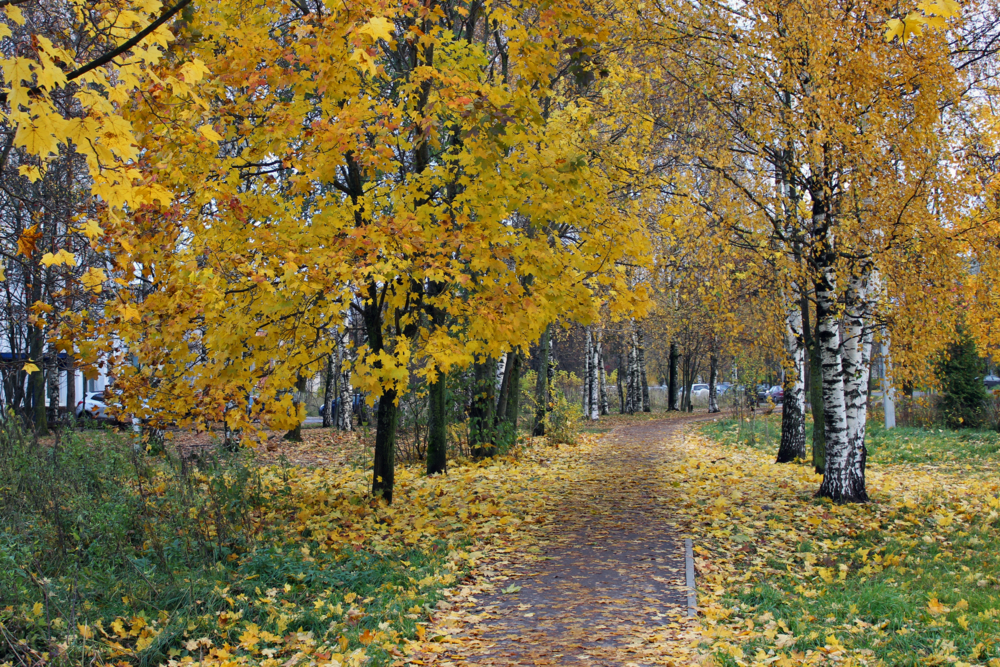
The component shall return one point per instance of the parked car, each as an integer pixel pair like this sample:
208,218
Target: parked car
92,405
722,387
699,391
991,382
777,394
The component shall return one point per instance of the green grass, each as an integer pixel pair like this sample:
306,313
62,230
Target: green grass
903,444
150,555
898,555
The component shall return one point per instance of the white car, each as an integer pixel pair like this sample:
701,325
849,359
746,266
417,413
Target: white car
93,406
699,391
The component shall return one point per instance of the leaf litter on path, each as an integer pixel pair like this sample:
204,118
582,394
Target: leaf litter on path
603,583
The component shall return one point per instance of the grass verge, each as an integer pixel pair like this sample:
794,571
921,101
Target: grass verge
784,578
112,555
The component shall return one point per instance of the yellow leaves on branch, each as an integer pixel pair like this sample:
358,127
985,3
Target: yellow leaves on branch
93,279
932,14
59,258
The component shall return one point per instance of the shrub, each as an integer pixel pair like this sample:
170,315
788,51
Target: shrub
960,372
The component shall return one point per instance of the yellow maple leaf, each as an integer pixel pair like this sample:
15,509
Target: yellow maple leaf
91,229
61,257
30,171
209,133
26,242
378,28
35,139
3,277
85,631
93,279
31,368
936,608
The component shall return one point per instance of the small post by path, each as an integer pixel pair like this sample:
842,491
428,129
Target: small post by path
689,572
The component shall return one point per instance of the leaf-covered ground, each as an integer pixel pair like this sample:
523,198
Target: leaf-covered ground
604,582
911,578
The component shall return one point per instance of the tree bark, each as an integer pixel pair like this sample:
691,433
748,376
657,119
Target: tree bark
437,438
641,358
295,434
345,403
793,420
843,476
811,332
542,385
587,382
888,393
603,381
482,413
513,409
70,390
713,373
329,389
38,382
857,349
384,461
620,381
672,379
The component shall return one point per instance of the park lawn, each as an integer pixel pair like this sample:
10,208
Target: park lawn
903,444
910,578
234,563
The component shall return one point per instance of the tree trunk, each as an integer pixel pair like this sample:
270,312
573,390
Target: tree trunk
843,476
603,381
38,382
713,376
793,411
587,357
52,385
542,385
888,393
857,348
672,379
595,378
345,402
811,333
622,366
329,390
437,438
384,462
641,360
513,411
70,390
295,434
482,413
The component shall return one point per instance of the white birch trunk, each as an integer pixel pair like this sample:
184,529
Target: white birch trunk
594,399
888,393
844,475
585,390
603,379
641,360
345,407
793,411
857,349
713,378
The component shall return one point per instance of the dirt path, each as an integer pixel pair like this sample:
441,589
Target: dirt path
610,588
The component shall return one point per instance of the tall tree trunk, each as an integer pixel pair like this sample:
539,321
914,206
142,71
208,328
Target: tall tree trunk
295,434
811,332
857,348
641,359
620,381
603,380
713,376
513,409
345,402
38,382
70,390
843,477
595,378
384,461
482,418
329,390
672,379
888,393
542,385
437,438
52,384
793,411
587,356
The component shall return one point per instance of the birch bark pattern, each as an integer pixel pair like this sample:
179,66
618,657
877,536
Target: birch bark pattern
793,411
857,352
542,385
641,360
888,393
595,378
345,405
844,475
587,382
